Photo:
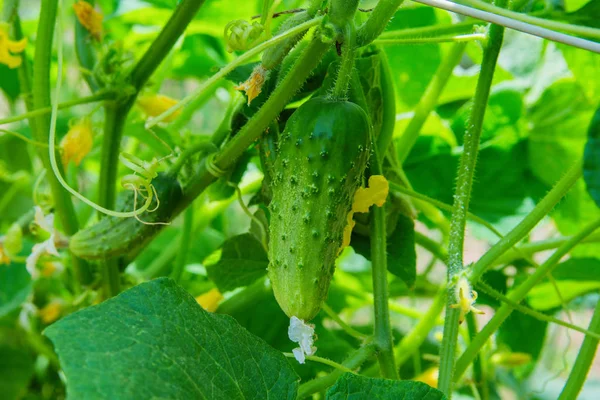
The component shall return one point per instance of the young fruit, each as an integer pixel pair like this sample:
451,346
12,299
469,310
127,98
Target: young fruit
322,155
114,237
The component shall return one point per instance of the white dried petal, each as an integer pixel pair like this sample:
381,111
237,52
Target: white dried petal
303,334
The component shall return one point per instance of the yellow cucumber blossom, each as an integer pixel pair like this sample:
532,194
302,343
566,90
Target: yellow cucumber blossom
210,300
77,143
253,85
466,297
51,312
364,198
10,48
89,18
156,104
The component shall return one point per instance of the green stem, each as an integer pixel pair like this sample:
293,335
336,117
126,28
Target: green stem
322,360
485,288
542,209
462,197
247,56
355,360
530,248
382,334
545,23
432,246
435,30
345,327
261,120
479,376
184,244
516,295
388,95
584,361
340,90
158,50
434,39
41,100
377,21
100,96
428,101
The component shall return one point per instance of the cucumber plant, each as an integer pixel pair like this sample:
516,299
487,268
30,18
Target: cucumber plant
288,199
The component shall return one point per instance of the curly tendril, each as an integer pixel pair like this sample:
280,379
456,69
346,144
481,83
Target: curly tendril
242,35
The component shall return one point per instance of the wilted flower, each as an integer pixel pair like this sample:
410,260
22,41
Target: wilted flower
89,18
303,334
253,85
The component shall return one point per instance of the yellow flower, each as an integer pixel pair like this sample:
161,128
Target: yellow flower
156,104
210,300
466,298
89,18
77,143
8,46
51,312
253,85
364,198
429,376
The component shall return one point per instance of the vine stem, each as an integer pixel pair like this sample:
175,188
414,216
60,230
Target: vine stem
230,67
325,361
464,183
382,334
428,101
354,360
463,27
514,24
41,100
100,96
184,243
518,294
584,360
549,24
345,327
377,21
344,75
433,39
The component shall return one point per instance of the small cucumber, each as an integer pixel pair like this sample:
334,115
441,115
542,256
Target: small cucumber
114,237
322,156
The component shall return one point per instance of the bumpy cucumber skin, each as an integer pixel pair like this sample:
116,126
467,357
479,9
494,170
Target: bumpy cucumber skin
322,156
273,56
114,237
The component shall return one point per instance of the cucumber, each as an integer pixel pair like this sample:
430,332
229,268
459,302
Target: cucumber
322,156
114,237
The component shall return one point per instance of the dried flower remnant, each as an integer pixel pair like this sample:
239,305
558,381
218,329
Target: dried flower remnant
89,18
253,85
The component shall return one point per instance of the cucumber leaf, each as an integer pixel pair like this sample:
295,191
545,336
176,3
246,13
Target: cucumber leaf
350,386
15,286
242,262
155,341
591,160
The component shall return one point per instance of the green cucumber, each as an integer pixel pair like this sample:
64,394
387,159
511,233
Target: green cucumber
114,237
322,156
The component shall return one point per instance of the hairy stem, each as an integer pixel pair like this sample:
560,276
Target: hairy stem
464,183
340,90
516,295
377,21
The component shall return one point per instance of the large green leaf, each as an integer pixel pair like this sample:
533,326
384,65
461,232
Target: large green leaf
356,387
523,334
242,262
591,160
9,82
155,341
15,286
